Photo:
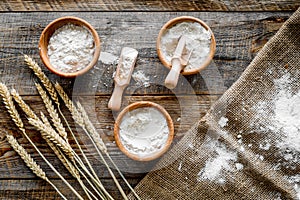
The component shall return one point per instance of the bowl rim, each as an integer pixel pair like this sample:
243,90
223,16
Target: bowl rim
174,21
142,104
44,39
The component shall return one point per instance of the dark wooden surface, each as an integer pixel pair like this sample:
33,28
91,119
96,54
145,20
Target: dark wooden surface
239,35
148,5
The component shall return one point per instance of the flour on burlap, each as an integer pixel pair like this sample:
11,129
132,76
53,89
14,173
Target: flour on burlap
224,160
284,122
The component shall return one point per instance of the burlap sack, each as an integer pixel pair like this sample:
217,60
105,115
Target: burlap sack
237,151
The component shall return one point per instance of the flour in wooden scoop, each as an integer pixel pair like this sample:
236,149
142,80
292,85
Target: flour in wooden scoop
71,48
144,131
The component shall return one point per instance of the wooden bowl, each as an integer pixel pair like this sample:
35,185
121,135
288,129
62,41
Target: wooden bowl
175,21
153,155
50,29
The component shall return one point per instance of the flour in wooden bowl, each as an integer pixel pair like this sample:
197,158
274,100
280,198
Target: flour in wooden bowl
198,43
71,48
144,131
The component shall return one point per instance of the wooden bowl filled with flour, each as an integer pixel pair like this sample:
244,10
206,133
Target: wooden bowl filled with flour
69,46
200,45
144,131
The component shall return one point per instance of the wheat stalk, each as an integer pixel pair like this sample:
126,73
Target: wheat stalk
35,168
53,136
43,78
52,111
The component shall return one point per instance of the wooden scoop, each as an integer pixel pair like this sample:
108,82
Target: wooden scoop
178,63
122,78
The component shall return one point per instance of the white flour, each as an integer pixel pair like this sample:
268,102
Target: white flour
144,131
279,119
198,41
108,58
125,65
222,161
141,79
223,122
284,121
71,48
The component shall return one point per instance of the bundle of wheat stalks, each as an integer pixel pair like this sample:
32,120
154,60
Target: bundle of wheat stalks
56,136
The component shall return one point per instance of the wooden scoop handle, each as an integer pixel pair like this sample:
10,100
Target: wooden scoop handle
172,78
116,98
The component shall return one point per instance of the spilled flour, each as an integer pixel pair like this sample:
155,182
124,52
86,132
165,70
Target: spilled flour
223,122
223,161
284,120
279,119
108,58
141,79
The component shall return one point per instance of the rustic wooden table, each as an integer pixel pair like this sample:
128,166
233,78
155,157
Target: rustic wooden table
241,29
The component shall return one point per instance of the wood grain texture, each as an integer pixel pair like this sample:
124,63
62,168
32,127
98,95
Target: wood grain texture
148,5
38,189
239,37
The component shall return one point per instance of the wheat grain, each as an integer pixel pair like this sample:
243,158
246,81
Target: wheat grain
91,129
9,104
43,78
27,110
53,136
35,168
69,104
52,111
63,96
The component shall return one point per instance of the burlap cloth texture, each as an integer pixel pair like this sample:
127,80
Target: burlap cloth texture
230,154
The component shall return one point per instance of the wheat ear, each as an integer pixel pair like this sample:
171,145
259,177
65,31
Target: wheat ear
35,168
9,104
26,109
52,111
43,78
69,104
91,129
7,99
52,135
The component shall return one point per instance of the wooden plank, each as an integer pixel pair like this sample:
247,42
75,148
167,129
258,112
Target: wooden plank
239,37
39,189
184,116
148,5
